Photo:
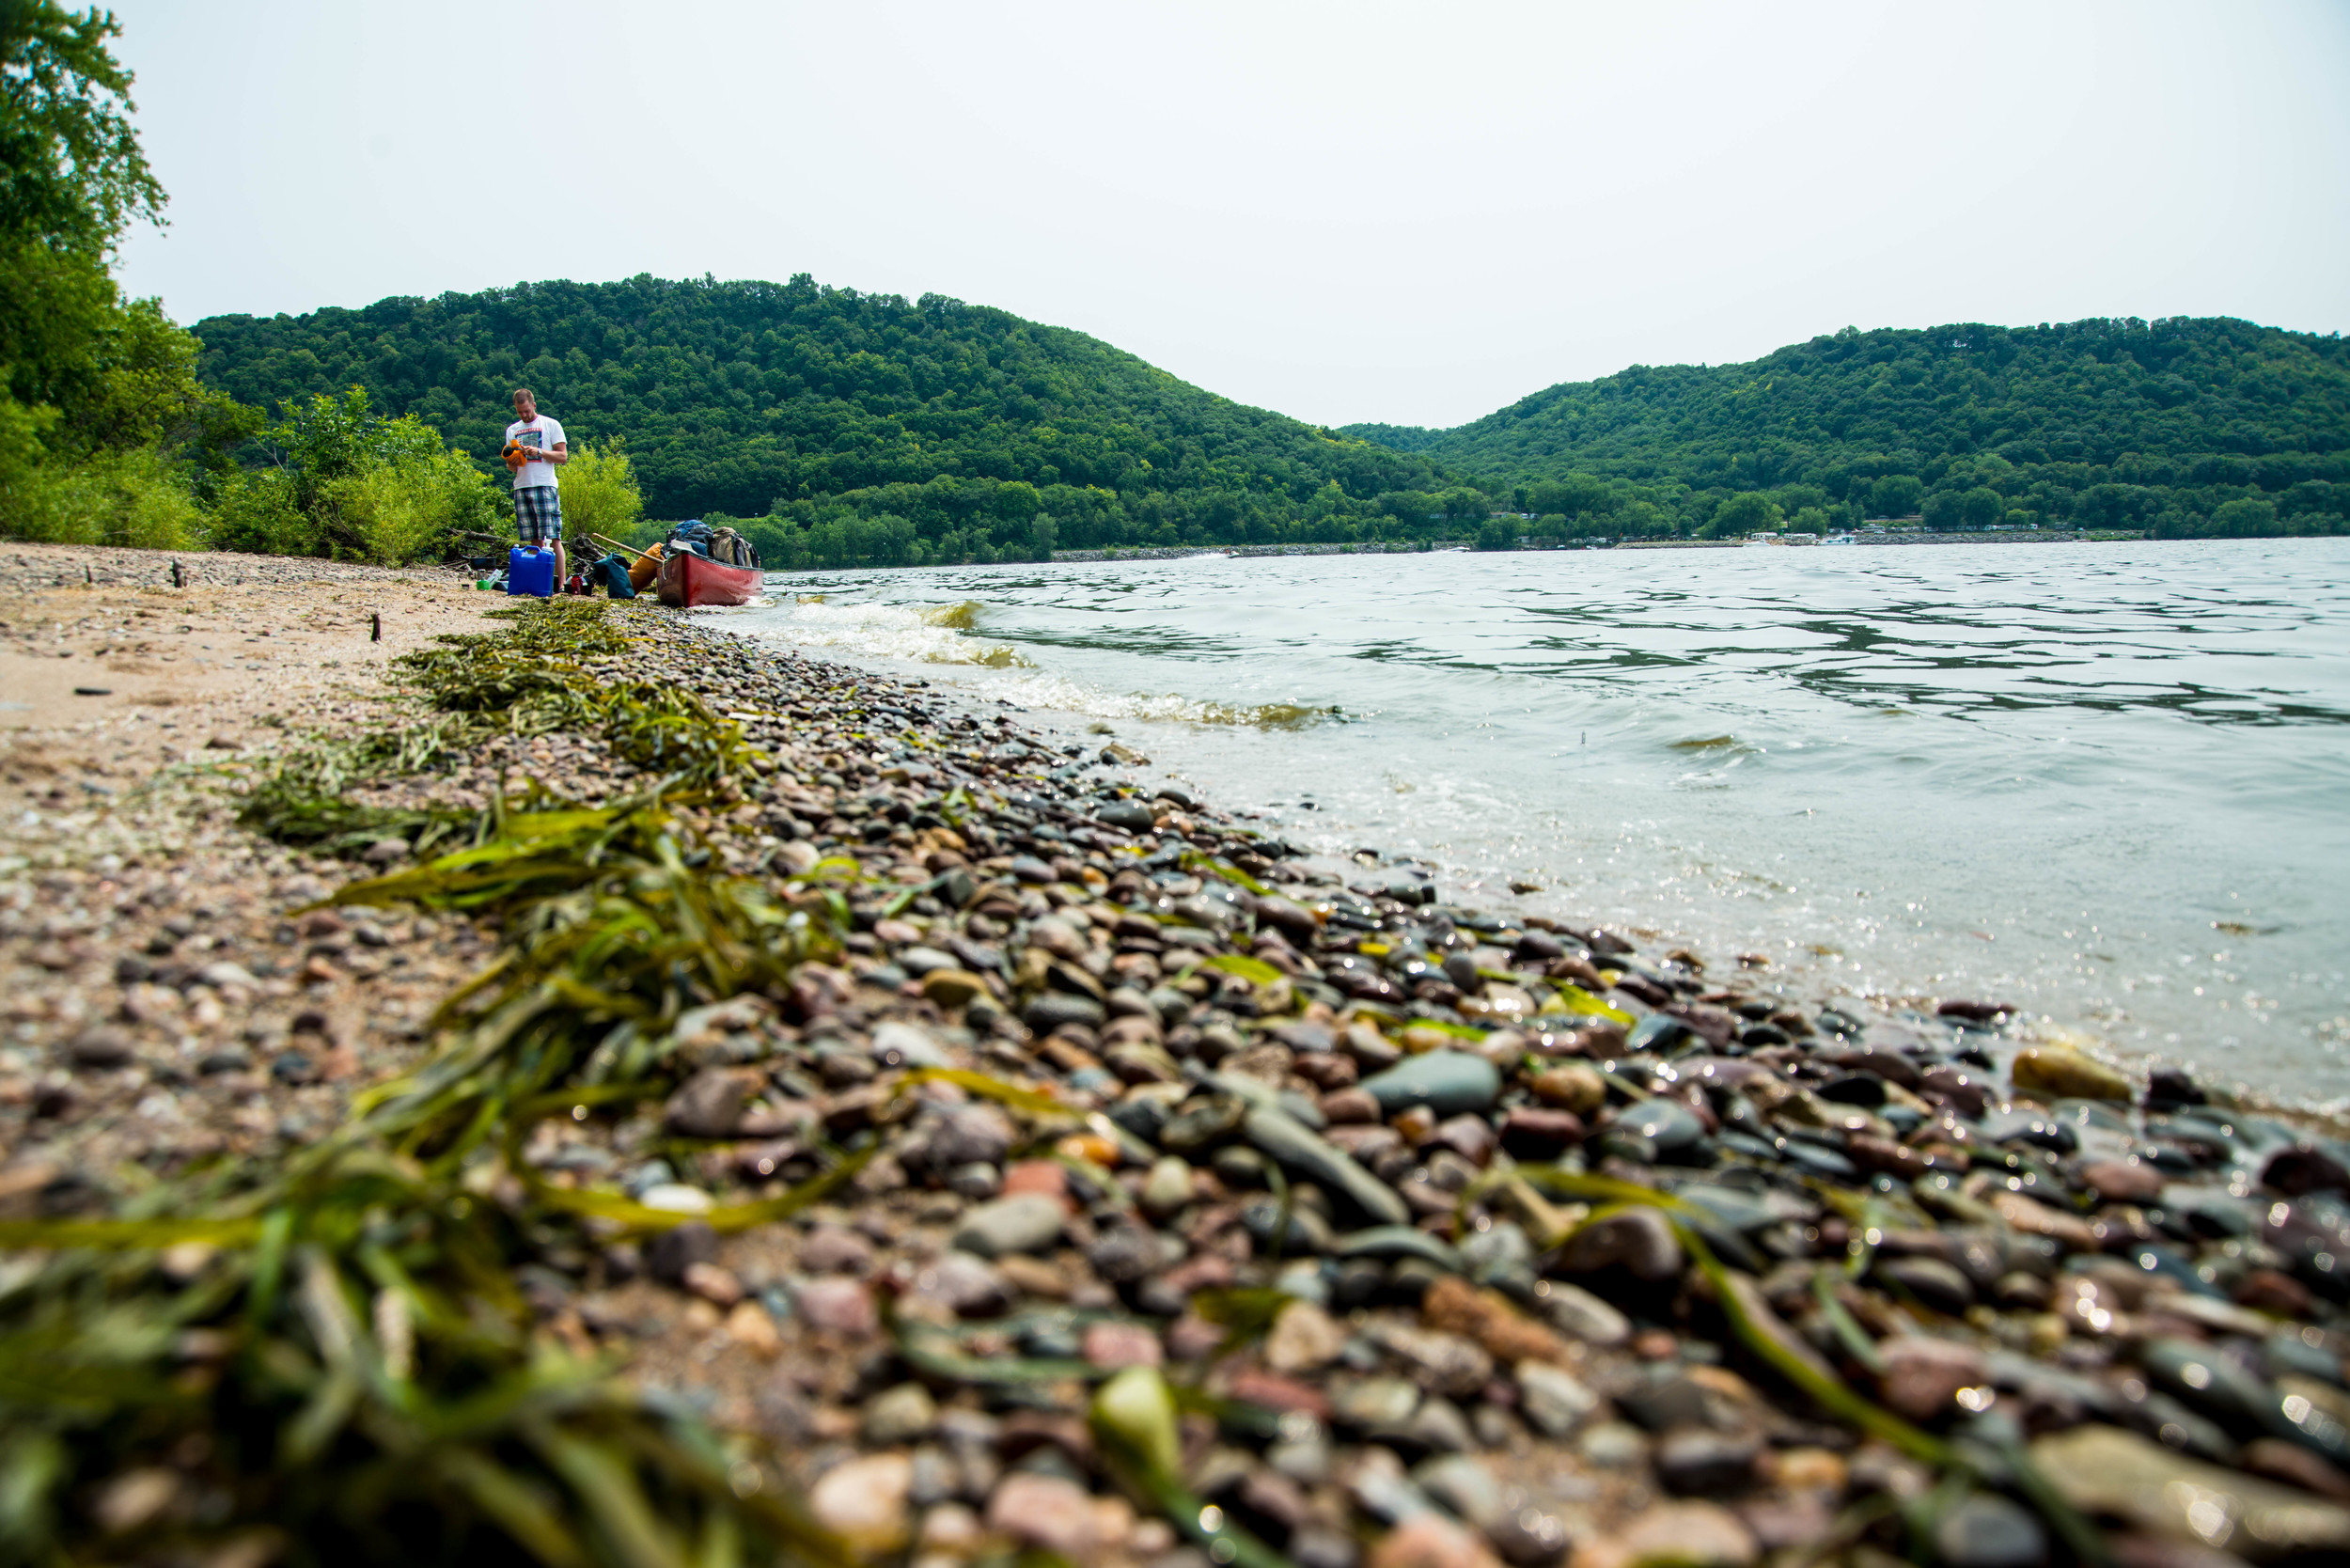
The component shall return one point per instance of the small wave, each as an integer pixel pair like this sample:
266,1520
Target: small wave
940,634
933,637
1071,696
964,617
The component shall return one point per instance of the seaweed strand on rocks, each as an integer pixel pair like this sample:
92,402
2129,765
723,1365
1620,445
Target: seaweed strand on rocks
1008,1153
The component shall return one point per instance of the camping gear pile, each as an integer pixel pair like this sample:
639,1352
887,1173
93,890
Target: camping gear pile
622,571
721,544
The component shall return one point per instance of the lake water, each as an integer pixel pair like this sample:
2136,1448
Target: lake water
2108,783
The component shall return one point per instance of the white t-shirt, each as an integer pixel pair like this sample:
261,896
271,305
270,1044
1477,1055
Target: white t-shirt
540,433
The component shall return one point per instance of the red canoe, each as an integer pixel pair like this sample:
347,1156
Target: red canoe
689,579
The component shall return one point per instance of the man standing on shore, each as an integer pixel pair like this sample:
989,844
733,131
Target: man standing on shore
537,505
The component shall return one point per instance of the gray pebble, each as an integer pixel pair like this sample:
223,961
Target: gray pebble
1024,1222
1447,1082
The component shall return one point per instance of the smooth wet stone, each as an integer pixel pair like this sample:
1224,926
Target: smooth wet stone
1617,1143
838,1306
1202,1120
100,1045
1739,1211
1239,1166
1303,1153
1308,1232
975,1180
1024,1222
2067,1073
1987,1530
1936,1284
1304,1338
1120,1344
1052,1009
1554,1400
2105,1470
1663,1403
1127,1254
902,1044
1576,1312
1374,1402
976,1132
1657,1032
952,988
1208,911
1695,1462
1923,1375
899,1415
1442,1363
1962,1087
1447,1082
2124,1181
2300,1171
1048,1512
1667,1124
1613,1445
1439,1426
2167,1267
709,1103
1132,815
1818,1161
1864,1089
1570,1087
2031,1127
1399,1241
836,1249
1464,1486
1168,1187
2214,1385
970,1286
1686,1534
1427,1539
1504,1251
1639,1240
863,1500
668,1255
2286,1352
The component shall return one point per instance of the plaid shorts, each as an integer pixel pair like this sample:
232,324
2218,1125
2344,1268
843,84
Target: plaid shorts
539,514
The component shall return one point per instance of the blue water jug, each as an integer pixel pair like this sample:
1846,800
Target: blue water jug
529,569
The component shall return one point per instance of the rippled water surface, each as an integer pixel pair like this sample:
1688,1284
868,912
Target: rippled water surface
2109,783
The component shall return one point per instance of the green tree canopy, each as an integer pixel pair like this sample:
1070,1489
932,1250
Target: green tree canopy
98,394
72,173
743,398
2100,423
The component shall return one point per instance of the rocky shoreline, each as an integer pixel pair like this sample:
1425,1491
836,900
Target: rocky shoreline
1190,1200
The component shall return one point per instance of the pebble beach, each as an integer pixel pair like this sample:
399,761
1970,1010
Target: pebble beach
1453,1239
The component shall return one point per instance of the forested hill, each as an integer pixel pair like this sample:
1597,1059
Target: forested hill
2165,423
733,397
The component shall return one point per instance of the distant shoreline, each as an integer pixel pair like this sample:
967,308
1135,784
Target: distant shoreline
1185,552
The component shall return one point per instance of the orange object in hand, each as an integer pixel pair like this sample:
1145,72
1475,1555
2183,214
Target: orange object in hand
516,454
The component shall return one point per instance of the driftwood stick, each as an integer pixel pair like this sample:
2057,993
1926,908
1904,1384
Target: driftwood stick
618,546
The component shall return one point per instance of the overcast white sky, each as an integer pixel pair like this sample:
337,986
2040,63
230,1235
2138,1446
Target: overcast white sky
1345,211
